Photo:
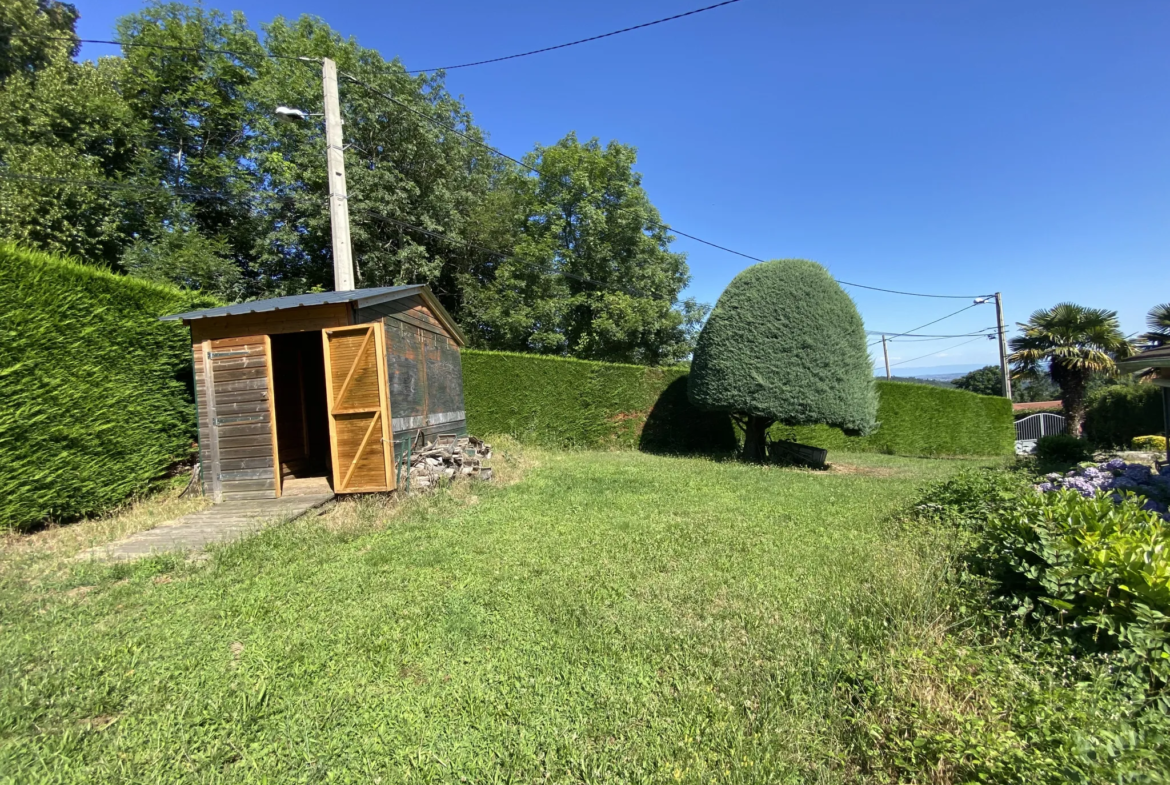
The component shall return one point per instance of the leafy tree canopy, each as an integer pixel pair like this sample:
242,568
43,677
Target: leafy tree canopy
785,344
26,54
586,216
984,381
189,178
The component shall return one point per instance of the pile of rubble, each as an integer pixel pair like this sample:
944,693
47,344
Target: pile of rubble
446,458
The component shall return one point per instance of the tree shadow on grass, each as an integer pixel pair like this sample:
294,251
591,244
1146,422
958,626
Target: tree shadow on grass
675,426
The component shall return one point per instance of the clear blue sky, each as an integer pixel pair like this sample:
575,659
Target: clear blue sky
959,147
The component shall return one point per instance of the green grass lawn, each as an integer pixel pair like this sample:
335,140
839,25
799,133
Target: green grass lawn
609,617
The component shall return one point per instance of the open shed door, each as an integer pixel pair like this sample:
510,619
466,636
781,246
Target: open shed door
359,408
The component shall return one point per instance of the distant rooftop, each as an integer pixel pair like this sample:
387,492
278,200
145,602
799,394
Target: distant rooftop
1150,358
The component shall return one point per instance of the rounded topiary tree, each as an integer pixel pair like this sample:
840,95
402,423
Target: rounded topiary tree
785,344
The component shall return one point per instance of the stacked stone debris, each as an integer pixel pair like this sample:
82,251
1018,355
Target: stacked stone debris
445,458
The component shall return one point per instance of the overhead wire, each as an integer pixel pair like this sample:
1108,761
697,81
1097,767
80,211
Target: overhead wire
501,254
481,143
659,224
168,47
575,43
914,331
932,354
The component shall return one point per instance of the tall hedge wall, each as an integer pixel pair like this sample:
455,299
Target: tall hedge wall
95,398
561,402
575,403
1115,415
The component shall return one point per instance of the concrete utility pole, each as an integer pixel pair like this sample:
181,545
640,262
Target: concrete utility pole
886,354
1005,372
338,201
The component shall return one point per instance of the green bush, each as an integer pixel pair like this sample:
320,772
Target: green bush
578,403
1149,443
1061,448
1116,415
785,343
95,398
1096,563
1061,611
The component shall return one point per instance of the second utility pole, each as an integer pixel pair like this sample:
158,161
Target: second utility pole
886,354
338,199
1003,354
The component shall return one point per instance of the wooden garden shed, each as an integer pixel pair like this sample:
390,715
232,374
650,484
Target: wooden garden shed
334,385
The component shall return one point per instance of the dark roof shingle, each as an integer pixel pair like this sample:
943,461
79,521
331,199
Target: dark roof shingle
300,301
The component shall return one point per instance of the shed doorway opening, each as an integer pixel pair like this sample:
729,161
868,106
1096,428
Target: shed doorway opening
302,417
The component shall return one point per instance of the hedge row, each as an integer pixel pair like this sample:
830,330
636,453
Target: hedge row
95,398
561,402
1116,415
566,403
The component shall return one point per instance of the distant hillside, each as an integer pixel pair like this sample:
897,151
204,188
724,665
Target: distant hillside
933,382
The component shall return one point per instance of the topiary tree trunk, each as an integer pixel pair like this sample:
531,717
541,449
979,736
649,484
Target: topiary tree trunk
755,438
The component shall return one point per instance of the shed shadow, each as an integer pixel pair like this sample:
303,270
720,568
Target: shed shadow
675,426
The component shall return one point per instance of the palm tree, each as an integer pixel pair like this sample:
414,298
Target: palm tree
1071,343
1159,323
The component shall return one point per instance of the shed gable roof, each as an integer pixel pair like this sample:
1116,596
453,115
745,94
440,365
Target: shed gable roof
359,298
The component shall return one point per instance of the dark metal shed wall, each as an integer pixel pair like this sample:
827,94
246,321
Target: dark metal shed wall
424,370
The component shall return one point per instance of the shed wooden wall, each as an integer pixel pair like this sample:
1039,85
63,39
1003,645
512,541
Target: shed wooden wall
424,369
236,437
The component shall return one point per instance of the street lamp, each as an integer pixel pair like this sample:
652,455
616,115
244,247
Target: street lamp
289,115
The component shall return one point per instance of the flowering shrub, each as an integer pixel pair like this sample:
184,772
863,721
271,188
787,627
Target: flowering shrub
1149,443
1115,478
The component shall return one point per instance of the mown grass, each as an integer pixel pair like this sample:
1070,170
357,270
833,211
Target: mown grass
613,617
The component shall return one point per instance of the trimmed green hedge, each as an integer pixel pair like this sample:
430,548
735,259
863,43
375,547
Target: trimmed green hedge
1115,415
95,393
562,402
577,403
916,419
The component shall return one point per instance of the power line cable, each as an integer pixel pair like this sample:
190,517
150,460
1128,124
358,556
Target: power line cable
501,254
477,142
659,224
914,330
986,332
932,354
575,43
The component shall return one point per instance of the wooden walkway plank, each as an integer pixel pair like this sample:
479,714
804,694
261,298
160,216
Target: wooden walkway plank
221,522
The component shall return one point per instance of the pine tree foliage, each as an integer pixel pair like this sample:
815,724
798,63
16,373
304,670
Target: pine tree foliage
785,343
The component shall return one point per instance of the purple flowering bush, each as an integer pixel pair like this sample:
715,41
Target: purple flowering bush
1115,478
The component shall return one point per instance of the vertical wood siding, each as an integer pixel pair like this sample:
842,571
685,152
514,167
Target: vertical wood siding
235,419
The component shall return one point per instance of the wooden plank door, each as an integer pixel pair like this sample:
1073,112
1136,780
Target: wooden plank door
359,408
237,433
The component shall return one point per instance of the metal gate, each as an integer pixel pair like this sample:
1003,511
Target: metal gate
1031,428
